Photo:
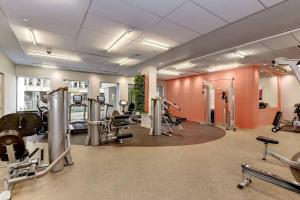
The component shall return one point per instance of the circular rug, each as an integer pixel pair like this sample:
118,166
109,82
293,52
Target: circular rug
193,133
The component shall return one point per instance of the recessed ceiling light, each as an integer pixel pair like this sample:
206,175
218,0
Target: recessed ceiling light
264,64
240,54
186,65
118,40
49,66
63,57
32,37
124,61
223,67
168,72
25,20
155,44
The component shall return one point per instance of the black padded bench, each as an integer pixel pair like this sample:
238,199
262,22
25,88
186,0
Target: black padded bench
267,140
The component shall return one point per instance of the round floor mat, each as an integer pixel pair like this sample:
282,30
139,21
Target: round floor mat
193,133
296,172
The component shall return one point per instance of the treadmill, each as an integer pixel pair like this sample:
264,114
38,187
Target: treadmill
77,126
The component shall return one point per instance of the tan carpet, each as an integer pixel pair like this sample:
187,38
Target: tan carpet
208,171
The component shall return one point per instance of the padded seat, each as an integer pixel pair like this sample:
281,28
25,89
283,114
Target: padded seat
12,137
267,140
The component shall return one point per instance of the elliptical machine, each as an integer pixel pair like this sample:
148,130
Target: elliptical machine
43,113
24,166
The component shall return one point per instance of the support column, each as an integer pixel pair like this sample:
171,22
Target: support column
150,76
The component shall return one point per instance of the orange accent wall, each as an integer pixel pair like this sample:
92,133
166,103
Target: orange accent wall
187,93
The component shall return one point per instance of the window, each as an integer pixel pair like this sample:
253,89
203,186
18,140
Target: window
130,93
76,87
160,91
111,92
29,91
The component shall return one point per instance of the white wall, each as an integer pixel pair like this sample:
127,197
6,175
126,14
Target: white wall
9,71
269,86
151,73
57,78
290,95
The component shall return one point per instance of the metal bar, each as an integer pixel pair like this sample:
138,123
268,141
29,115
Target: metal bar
271,178
45,171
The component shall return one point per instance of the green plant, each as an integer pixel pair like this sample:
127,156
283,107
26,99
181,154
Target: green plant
139,92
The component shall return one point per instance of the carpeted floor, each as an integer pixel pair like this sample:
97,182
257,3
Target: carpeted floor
290,128
193,133
208,171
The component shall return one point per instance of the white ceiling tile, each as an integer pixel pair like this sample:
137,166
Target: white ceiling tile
44,24
281,42
92,58
92,40
44,39
253,49
124,13
53,40
172,31
296,34
266,56
161,8
196,18
270,3
293,52
231,10
144,49
95,22
45,9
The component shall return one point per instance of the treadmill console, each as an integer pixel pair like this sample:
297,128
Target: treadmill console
123,103
101,99
77,99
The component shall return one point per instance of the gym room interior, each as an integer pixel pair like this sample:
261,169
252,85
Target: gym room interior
149,99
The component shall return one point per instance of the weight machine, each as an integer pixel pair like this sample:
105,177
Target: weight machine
24,166
162,121
107,129
248,171
228,99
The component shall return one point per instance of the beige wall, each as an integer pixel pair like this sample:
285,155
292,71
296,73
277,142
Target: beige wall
57,78
290,95
9,84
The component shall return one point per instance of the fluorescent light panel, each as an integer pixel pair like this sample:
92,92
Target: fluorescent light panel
155,44
184,65
63,57
168,72
223,67
49,66
124,61
118,40
240,54
32,37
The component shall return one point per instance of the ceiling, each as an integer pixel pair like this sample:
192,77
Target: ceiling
190,28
